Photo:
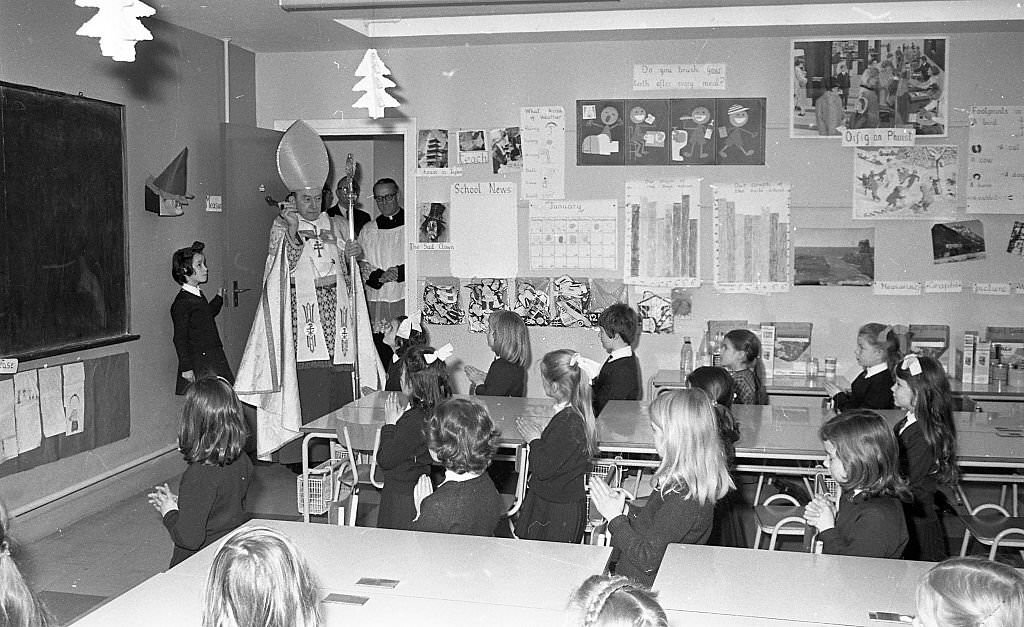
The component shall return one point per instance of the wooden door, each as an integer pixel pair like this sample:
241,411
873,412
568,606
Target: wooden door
250,175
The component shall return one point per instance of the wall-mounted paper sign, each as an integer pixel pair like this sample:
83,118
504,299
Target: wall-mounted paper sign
661,76
897,288
992,289
879,137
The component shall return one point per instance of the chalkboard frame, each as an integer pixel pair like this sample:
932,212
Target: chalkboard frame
63,223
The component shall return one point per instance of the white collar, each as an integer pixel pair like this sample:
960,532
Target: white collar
192,289
458,476
394,358
911,419
873,370
560,406
619,353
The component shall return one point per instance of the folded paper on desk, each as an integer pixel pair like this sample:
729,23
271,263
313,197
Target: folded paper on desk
377,583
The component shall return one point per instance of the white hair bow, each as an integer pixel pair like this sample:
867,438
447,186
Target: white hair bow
442,353
414,321
912,364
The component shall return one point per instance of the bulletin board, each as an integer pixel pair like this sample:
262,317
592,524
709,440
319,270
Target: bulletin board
63,261
106,416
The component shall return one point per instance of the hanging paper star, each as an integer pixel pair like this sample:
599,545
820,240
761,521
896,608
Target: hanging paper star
375,83
117,26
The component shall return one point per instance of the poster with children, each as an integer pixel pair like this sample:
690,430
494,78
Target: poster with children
906,183
869,82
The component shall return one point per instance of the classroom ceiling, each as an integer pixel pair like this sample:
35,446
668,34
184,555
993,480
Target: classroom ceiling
262,26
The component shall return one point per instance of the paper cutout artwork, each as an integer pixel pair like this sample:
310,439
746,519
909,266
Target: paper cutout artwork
601,132
543,136
506,150
117,26
571,300
51,401
692,133
603,294
906,183
166,194
655,312
432,148
8,430
995,161
533,303
441,301
26,411
958,241
834,256
740,125
647,132
664,232
752,250
485,296
74,397
375,83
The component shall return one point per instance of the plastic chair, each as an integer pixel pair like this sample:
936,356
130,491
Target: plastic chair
596,529
362,473
992,529
514,501
776,520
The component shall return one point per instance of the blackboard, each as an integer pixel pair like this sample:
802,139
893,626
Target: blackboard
63,270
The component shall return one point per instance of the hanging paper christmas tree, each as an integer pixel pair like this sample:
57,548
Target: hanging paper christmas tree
375,83
117,26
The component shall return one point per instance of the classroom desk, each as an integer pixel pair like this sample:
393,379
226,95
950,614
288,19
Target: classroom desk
776,386
434,565
786,586
781,433
815,386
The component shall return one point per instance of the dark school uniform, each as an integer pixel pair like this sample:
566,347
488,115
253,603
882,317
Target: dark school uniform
211,503
555,507
749,388
918,464
393,383
641,536
471,508
619,380
402,458
196,340
867,526
874,392
504,378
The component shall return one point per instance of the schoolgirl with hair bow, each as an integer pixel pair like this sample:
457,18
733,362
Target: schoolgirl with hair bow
403,456
555,507
927,441
401,333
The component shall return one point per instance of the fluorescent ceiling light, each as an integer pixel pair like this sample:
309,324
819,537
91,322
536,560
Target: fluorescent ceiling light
927,11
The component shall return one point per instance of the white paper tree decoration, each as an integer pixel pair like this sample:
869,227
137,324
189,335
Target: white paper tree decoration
375,83
117,26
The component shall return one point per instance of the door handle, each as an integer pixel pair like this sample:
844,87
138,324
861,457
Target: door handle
235,291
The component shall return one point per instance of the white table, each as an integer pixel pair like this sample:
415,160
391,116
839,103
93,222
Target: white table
786,586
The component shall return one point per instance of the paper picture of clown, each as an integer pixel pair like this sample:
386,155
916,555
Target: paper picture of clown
740,131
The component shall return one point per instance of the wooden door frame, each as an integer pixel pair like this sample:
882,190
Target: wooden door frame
406,128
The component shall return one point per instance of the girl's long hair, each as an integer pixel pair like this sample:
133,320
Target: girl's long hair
748,343
19,607
428,382
212,428
259,579
970,591
933,408
883,337
565,381
869,452
615,601
717,383
510,337
694,461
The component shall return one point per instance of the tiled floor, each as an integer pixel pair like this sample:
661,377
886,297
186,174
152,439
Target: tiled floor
107,553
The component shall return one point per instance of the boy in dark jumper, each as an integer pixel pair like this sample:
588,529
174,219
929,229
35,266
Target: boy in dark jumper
619,378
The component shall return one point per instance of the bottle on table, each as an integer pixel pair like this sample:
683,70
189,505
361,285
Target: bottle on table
716,349
686,357
703,354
